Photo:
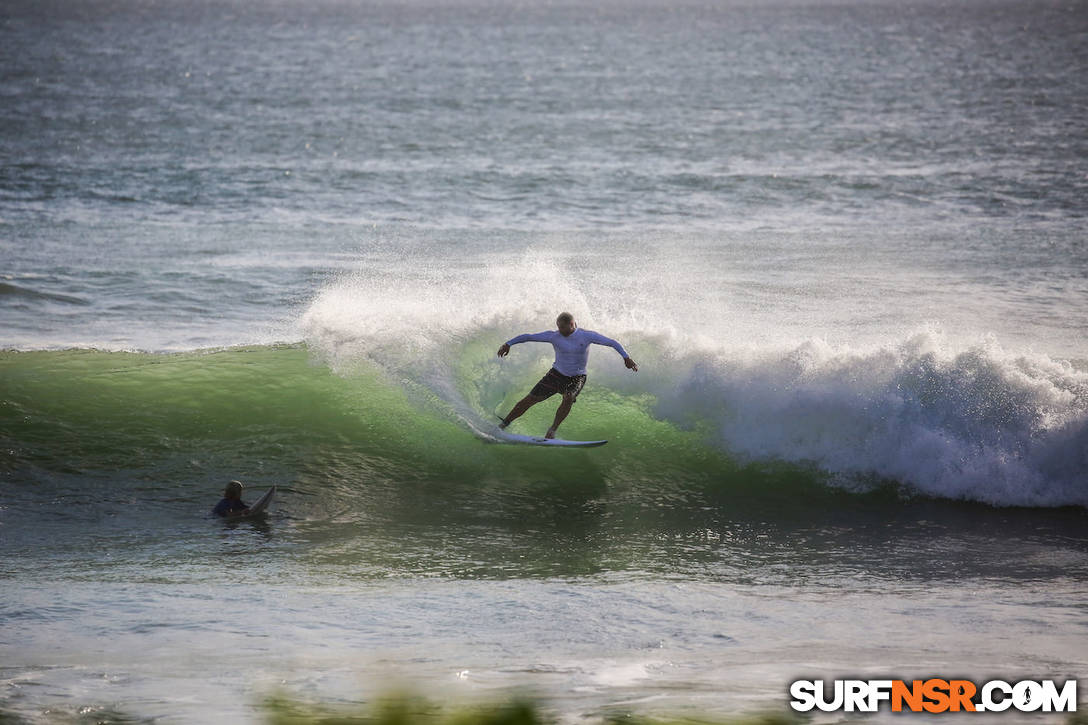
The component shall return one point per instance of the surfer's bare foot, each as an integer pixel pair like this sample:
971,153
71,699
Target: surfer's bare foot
550,434
503,423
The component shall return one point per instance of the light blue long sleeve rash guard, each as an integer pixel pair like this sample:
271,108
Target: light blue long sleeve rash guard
572,352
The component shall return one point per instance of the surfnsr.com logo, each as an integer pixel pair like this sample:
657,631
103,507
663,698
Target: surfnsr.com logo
933,695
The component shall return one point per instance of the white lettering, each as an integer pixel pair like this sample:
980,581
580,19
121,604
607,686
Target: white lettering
856,696
994,696
1027,696
803,693
836,702
1064,701
992,705
879,690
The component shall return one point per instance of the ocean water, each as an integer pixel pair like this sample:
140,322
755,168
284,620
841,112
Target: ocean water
280,241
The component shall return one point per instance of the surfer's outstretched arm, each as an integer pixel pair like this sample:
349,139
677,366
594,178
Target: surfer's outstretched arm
599,339
504,349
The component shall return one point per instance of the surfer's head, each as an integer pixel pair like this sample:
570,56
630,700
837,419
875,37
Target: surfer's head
565,323
233,490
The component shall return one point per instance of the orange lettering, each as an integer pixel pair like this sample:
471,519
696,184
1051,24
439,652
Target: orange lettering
961,693
911,695
936,691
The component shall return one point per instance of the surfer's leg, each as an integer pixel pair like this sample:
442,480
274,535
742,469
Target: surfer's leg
571,388
546,388
561,413
519,409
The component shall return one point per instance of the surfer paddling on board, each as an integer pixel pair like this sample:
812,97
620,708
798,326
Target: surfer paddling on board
231,505
568,374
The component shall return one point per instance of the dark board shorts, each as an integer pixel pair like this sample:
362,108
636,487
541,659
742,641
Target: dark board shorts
556,382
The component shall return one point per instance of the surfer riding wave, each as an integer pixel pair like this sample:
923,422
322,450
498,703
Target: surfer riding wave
568,374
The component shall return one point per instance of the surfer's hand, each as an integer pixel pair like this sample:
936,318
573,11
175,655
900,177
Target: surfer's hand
630,364
504,350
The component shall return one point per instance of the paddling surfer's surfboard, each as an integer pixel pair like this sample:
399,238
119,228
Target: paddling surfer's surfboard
256,509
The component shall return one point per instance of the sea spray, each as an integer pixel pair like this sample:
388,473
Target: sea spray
962,420
972,422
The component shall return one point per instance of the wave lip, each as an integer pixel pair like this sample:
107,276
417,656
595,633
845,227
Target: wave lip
974,424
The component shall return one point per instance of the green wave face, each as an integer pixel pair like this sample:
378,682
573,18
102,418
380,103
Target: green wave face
276,411
372,471
380,476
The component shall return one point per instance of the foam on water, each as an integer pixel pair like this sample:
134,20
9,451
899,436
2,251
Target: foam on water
955,421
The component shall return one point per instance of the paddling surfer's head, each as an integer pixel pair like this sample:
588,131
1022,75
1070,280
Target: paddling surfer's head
233,490
565,323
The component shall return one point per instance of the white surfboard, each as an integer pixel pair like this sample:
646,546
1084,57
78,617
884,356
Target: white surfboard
540,441
256,509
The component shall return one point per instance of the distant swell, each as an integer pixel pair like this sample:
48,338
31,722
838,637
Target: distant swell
15,291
